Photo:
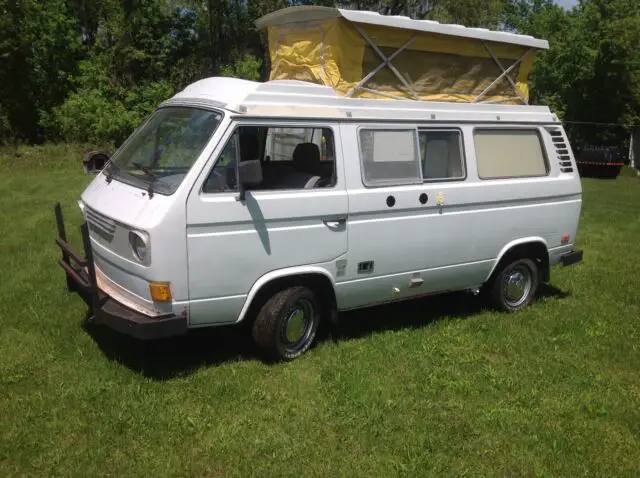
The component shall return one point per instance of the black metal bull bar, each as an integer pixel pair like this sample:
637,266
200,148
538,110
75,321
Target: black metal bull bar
81,278
80,272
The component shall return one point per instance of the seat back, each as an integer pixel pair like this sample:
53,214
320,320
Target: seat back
306,158
306,163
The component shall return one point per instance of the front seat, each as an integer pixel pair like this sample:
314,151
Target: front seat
306,162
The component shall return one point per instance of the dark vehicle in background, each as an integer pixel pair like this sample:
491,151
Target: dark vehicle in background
600,161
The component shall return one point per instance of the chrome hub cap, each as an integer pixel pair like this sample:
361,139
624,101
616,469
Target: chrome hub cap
297,324
517,285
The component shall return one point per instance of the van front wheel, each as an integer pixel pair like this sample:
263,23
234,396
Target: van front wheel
514,285
287,323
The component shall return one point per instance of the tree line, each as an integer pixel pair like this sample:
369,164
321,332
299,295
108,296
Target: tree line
91,70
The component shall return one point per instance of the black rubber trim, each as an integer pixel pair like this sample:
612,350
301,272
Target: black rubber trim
572,257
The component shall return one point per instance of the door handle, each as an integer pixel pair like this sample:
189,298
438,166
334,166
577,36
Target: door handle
335,220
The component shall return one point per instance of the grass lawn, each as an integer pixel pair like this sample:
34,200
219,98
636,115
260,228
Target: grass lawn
430,387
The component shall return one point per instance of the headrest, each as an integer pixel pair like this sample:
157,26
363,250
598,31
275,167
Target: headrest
306,157
249,147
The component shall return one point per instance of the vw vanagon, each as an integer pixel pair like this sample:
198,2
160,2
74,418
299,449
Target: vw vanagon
287,201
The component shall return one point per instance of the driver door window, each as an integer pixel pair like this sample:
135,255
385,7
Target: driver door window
290,158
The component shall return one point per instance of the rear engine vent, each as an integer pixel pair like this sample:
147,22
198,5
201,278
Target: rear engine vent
100,224
562,150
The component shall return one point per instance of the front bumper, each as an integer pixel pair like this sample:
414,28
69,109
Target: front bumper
81,278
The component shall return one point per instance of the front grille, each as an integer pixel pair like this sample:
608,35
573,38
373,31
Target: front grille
100,224
562,150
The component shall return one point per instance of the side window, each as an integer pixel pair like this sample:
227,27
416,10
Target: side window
441,154
509,153
389,157
281,143
290,158
222,177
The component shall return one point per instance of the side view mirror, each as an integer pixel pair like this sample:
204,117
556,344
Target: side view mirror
249,175
94,161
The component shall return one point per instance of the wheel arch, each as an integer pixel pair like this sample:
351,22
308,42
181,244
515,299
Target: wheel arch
532,247
317,278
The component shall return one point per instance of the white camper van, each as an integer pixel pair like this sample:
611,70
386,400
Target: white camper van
285,202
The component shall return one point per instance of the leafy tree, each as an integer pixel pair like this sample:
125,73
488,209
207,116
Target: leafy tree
131,67
93,69
591,73
39,55
471,13
248,67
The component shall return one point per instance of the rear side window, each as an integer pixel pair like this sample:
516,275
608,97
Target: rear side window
509,153
441,154
389,157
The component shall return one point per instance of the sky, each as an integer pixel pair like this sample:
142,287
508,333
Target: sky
567,3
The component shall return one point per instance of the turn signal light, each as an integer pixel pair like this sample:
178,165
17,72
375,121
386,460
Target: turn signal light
565,238
160,291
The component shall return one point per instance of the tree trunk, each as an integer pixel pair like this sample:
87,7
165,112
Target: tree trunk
213,67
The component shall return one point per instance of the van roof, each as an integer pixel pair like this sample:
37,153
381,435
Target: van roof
317,13
299,99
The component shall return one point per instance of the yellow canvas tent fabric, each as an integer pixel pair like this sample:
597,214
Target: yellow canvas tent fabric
333,51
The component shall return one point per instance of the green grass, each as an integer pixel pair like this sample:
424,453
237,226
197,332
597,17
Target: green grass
432,387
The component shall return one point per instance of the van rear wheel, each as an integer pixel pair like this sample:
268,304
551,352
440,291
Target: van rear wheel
514,285
287,323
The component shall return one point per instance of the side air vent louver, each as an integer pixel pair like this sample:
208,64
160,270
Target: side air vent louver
101,224
562,150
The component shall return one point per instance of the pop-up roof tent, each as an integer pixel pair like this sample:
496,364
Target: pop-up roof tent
368,55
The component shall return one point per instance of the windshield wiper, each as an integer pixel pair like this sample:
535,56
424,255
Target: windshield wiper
147,172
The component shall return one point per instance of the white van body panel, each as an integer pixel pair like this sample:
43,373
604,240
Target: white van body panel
452,246
121,208
232,243
323,270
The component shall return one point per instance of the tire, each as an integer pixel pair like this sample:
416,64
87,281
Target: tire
524,277
286,324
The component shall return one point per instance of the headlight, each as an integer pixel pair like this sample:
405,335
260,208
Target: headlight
139,245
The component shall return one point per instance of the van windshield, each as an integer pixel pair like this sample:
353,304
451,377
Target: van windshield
160,153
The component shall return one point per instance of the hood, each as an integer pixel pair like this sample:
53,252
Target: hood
125,203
